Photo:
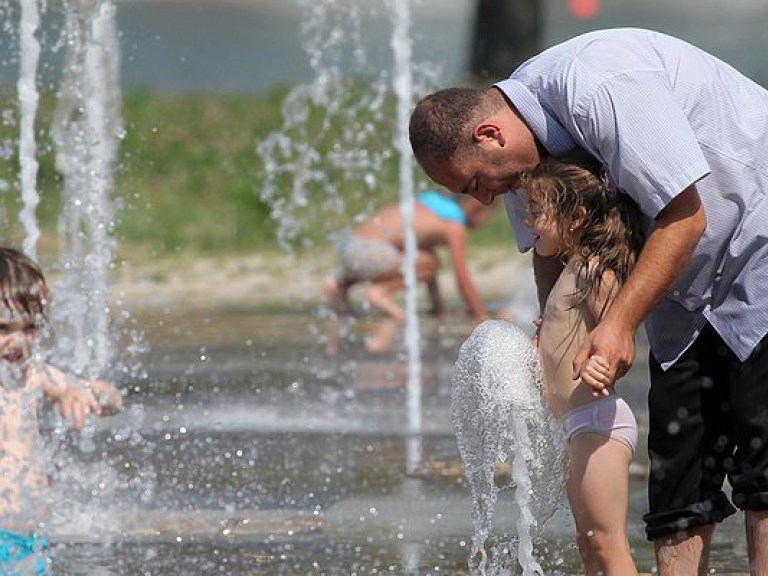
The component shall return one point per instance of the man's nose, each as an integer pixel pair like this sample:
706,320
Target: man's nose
485,197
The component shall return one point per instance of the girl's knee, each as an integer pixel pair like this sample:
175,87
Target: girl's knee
599,547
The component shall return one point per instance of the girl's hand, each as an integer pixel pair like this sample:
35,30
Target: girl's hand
596,373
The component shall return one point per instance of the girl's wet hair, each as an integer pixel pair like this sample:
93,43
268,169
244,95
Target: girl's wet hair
611,235
22,284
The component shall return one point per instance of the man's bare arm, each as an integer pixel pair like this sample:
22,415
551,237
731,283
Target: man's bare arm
665,255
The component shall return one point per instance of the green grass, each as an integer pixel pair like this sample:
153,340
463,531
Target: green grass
189,173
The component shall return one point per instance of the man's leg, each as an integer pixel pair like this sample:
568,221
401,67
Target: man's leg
684,554
757,541
690,440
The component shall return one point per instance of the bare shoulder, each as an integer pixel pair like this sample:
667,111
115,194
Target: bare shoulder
581,274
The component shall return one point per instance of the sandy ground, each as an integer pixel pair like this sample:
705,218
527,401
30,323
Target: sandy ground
279,280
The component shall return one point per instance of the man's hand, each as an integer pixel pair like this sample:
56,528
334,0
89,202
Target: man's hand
615,346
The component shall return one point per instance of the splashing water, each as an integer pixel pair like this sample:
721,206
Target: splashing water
333,128
338,141
331,160
500,416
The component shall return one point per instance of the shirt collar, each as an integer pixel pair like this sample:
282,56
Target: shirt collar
545,126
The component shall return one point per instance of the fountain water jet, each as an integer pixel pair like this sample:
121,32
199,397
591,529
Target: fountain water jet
86,130
299,159
28,100
403,87
500,417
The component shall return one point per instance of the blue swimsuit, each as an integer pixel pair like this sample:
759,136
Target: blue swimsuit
442,206
16,549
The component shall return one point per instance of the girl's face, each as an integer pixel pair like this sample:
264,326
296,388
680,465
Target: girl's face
548,239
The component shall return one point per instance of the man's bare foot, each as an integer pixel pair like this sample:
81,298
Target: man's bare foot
337,297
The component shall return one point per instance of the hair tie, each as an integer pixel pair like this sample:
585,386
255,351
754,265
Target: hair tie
609,186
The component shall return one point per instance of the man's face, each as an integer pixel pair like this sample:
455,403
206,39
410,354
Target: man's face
483,172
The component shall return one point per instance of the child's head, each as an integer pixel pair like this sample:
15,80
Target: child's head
23,312
23,290
598,226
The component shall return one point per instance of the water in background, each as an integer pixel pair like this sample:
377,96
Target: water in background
253,45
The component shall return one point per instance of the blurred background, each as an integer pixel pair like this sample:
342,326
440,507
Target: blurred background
262,437
204,81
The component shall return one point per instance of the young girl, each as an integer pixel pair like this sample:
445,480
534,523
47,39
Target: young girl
577,215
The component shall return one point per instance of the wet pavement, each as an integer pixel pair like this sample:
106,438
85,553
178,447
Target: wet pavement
276,444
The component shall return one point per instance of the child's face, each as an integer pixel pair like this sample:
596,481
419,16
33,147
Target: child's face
548,240
18,334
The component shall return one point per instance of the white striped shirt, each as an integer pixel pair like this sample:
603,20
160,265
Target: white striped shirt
661,115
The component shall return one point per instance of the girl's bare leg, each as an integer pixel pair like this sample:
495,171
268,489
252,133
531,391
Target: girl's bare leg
598,491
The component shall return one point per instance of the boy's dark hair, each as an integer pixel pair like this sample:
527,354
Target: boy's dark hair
22,284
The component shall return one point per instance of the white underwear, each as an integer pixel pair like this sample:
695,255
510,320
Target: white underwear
610,416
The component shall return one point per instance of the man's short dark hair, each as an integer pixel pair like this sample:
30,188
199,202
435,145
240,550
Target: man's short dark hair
442,122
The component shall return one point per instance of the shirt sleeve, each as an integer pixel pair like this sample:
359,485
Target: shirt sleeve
644,137
515,206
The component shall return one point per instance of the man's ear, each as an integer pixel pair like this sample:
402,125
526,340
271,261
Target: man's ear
488,131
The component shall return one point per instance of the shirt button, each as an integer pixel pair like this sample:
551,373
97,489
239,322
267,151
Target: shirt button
676,293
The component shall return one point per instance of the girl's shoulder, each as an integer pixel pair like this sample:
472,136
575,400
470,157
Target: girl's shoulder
583,273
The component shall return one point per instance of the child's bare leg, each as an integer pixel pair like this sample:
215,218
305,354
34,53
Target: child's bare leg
598,491
337,292
379,295
436,297
427,266
382,335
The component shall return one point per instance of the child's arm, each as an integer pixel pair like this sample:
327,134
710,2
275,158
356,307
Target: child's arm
75,396
457,244
596,373
436,297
